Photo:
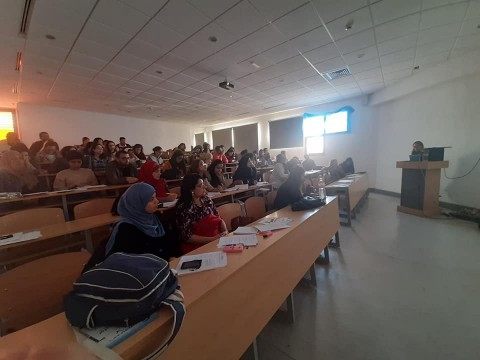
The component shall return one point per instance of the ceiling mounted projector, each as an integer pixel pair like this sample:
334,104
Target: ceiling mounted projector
226,85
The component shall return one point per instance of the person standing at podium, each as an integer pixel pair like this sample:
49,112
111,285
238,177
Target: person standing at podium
417,148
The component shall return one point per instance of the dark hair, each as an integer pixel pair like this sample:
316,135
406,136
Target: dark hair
296,175
122,138
217,148
195,166
138,146
280,157
418,142
43,132
85,138
156,148
50,143
74,155
244,152
107,150
94,146
215,181
120,152
65,150
97,139
188,185
181,145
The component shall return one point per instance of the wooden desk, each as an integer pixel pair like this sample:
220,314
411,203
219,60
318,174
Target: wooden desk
58,230
420,187
227,307
64,195
350,190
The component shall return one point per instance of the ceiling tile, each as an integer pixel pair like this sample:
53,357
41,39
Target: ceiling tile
90,62
119,16
148,7
374,73
329,65
56,17
110,79
241,20
173,62
213,8
322,53
130,61
470,27
356,42
428,4
361,55
191,52
432,59
120,71
473,9
438,33
182,17
298,21
183,80
333,9
78,70
443,15
388,10
144,50
360,20
94,49
104,34
405,65
397,28
273,9
397,75
435,47
364,66
397,44
280,52
397,57
168,39
239,51
264,39
311,40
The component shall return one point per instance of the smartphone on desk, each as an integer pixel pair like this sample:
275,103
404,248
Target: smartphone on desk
191,265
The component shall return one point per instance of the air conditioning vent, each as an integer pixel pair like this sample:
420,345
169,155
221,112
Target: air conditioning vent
27,13
337,74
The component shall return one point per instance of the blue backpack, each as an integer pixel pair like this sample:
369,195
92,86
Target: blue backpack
123,290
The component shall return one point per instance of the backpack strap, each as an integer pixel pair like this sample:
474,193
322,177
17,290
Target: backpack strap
178,315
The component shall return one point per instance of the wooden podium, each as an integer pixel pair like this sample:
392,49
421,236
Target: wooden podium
420,187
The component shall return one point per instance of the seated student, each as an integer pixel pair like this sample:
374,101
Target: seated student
207,157
156,156
279,173
268,160
215,176
75,176
335,171
139,231
175,167
200,168
218,154
39,145
197,216
81,147
230,155
291,190
308,164
293,162
48,153
110,150
61,163
347,166
122,145
15,144
246,172
261,159
120,172
150,173
242,153
96,161
14,175
182,147
138,151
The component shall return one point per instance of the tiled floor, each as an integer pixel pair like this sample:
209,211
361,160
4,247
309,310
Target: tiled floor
400,287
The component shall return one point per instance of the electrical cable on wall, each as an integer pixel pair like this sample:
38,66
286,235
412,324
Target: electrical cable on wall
459,177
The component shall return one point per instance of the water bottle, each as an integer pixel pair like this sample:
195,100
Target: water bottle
321,188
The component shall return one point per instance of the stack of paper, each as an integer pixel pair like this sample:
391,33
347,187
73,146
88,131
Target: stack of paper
270,224
169,203
242,187
246,240
20,237
209,261
245,230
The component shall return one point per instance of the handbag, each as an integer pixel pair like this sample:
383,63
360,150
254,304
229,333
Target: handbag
307,203
207,226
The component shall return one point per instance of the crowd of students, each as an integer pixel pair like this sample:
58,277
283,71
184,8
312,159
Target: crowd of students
196,220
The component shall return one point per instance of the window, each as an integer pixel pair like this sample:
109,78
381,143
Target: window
316,126
286,133
7,123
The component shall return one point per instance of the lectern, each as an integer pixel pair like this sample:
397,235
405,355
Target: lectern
420,187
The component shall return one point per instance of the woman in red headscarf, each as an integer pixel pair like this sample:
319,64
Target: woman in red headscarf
150,173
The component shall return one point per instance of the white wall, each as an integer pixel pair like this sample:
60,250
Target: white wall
445,115
360,144
68,126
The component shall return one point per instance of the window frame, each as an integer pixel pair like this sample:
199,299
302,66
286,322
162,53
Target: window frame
14,117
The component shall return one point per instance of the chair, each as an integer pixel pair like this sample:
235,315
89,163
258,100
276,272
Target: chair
30,219
176,190
34,291
255,207
271,200
93,207
229,211
267,175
